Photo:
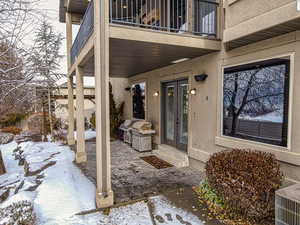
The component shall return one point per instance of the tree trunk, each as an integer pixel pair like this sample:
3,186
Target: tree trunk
234,124
50,114
44,123
2,167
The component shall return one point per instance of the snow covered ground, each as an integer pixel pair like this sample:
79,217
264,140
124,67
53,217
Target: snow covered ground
275,117
65,191
89,134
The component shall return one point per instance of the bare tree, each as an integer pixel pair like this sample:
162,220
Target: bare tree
16,77
253,92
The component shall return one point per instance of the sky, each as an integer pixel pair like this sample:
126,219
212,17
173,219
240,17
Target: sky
51,8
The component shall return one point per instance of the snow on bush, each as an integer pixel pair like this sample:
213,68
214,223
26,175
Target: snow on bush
19,213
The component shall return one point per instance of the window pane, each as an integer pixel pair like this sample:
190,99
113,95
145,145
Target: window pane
138,100
170,113
184,109
255,103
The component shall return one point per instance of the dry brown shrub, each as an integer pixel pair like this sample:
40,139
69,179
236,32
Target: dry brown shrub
246,180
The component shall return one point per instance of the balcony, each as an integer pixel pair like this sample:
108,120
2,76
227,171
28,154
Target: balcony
151,29
85,31
167,15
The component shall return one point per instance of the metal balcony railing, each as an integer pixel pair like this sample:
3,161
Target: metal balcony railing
163,15
167,15
205,18
85,31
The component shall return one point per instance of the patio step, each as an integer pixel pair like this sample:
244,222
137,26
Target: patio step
172,155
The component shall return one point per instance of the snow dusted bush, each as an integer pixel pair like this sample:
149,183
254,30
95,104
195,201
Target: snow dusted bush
6,138
246,181
60,135
20,213
12,130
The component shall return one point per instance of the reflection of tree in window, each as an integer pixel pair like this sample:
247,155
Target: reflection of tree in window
138,101
256,102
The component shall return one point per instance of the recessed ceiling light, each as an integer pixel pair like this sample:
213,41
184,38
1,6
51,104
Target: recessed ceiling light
180,60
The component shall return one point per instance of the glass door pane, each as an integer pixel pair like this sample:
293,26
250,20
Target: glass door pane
175,108
183,113
170,113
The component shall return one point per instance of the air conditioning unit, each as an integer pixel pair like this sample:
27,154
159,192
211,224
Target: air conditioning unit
287,205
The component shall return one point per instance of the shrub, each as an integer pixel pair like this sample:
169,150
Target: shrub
39,122
246,181
116,115
93,121
11,119
12,130
60,135
19,213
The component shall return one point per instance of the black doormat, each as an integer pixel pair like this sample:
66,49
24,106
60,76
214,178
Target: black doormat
156,162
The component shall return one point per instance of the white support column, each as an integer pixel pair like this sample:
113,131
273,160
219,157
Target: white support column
104,195
71,139
80,149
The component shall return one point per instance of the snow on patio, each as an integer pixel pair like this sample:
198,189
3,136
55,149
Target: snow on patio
88,134
64,191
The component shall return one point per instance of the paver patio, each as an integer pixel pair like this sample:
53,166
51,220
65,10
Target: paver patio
133,178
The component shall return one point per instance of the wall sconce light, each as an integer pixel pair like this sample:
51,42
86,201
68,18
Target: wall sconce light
156,94
193,91
201,77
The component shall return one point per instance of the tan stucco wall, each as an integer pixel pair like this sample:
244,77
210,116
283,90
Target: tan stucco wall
205,107
61,110
245,17
241,10
118,86
120,95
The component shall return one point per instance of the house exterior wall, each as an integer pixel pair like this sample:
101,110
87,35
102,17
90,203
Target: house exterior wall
205,107
61,110
118,86
245,17
239,11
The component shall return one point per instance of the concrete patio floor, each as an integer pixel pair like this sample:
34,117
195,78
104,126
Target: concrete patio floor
133,178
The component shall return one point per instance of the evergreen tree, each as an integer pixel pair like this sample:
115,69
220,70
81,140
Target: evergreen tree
116,113
45,60
46,56
138,103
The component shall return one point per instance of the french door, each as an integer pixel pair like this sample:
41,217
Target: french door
175,113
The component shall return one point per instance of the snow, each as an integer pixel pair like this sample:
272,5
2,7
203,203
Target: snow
65,191
275,117
70,192
89,134
11,165
135,214
163,207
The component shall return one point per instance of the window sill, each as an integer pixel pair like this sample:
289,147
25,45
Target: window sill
281,153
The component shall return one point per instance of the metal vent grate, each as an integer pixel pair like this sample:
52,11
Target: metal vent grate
287,211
